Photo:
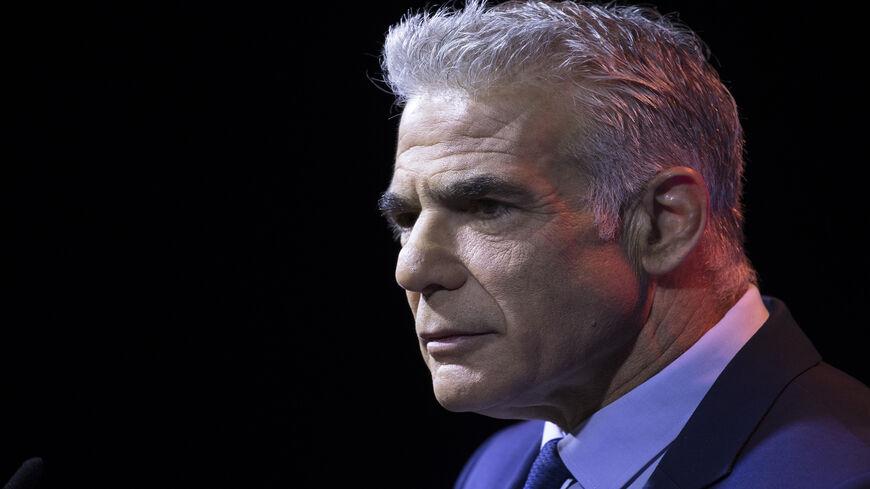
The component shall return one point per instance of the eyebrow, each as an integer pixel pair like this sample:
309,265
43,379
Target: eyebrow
472,188
481,186
392,203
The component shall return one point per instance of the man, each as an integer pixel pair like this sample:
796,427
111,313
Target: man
566,192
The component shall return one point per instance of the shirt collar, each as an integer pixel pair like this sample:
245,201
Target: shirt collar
616,443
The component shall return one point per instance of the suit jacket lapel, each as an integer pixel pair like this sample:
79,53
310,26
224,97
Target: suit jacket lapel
708,445
517,474
503,462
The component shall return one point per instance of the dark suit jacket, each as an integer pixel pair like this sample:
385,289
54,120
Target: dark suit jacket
777,417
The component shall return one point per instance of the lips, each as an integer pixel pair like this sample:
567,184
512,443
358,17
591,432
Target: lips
446,333
442,343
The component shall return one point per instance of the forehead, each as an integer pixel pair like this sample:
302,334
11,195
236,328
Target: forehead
445,137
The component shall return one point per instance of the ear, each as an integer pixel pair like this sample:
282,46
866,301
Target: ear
670,219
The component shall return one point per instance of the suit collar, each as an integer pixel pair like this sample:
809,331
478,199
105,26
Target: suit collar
706,448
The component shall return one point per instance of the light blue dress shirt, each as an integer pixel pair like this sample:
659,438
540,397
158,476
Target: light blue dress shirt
620,445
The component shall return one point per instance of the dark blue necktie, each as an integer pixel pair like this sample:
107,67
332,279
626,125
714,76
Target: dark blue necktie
548,471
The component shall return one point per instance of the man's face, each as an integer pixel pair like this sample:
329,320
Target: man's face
521,310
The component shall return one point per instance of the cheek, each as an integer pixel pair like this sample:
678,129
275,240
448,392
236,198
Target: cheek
518,284
500,266
559,292
413,301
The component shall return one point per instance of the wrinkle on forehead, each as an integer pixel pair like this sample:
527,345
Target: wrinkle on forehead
517,136
511,123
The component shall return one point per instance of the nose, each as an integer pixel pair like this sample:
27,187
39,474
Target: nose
428,260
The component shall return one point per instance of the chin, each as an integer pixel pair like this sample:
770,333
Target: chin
460,389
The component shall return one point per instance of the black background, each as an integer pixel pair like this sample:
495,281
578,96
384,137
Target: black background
198,289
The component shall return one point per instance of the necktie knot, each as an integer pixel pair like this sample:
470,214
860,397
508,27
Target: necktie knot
548,471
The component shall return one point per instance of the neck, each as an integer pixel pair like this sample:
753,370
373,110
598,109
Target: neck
678,317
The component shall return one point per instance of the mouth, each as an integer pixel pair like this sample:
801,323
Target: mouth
452,343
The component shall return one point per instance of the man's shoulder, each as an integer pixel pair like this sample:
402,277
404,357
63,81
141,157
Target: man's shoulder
824,406
816,433
503,457
825,389
776,416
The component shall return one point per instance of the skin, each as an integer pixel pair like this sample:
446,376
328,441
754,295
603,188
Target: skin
522,311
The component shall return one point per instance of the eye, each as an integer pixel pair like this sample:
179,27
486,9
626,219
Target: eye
488,208
401,223
405,220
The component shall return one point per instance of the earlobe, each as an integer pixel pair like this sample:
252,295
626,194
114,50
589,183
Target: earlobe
672,217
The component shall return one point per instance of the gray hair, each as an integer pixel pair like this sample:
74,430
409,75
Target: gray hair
639,81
